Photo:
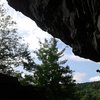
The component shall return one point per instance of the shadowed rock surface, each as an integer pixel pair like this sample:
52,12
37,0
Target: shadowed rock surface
10,88
75,22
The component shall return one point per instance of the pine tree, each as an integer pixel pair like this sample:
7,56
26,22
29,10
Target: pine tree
52,73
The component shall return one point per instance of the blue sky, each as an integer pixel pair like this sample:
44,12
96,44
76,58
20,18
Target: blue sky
85,69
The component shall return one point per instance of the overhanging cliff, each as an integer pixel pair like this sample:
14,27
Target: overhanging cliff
75,22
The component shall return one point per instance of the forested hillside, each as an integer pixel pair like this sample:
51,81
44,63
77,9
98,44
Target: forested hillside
88,91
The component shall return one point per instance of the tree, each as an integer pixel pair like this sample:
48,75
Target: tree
51,73
12,52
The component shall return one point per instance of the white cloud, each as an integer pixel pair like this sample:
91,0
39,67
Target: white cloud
27,28
33,38
72,57
79,77
3,1
95,78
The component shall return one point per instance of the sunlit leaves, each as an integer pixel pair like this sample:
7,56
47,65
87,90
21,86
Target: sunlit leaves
11,50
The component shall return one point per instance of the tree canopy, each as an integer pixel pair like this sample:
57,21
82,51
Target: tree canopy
12,51
52,73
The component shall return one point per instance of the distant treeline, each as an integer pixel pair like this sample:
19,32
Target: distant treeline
88,91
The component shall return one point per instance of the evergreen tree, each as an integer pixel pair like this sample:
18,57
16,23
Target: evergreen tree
51,73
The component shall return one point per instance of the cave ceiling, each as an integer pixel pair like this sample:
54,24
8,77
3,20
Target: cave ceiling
75,22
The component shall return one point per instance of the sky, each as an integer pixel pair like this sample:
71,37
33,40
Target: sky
84,69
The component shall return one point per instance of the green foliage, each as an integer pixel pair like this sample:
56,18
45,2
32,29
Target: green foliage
11,50
51,70
88,91
52,73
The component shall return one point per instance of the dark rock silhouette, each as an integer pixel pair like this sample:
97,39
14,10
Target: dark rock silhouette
75,22
98,70
10,88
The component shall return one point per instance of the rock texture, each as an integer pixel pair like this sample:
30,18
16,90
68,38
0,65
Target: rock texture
75,22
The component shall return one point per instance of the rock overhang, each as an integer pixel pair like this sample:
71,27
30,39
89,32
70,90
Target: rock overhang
75,22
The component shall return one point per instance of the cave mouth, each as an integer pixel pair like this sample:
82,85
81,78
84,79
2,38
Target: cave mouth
75,41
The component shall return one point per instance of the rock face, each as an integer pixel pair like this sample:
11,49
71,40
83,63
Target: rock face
75,22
